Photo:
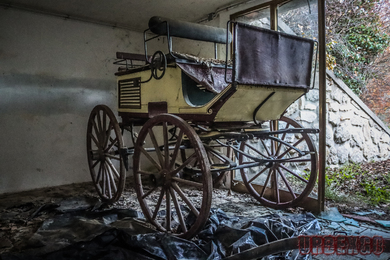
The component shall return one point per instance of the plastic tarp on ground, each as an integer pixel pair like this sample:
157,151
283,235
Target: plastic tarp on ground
123,234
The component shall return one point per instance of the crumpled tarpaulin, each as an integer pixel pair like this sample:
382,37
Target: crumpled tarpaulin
123,236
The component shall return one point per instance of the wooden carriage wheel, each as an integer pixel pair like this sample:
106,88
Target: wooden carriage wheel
280,184
104,141
158,169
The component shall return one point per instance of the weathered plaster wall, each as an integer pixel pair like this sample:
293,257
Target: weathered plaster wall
353,132
52,73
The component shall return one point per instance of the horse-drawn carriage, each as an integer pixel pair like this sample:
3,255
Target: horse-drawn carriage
202,118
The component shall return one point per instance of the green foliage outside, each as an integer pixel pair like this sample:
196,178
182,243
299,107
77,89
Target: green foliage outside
352,183
355,38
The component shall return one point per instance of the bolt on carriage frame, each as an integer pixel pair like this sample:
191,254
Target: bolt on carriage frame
203,118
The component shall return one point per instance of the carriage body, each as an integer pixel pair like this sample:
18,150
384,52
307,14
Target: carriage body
176,93
269,68
204,118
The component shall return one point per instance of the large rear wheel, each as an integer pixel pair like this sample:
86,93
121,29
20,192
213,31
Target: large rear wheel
288,177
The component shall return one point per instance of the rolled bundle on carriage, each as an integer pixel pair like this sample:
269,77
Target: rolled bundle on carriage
202,118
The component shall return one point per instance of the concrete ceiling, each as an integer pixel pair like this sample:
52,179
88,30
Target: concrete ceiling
129,14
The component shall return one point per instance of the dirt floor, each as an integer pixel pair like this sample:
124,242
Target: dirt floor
23,214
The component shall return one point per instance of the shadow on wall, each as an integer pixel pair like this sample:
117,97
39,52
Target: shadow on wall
43,126
47,95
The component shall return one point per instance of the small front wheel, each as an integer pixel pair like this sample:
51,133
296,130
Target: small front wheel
104,143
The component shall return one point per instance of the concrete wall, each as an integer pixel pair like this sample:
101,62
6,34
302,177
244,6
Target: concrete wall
52,73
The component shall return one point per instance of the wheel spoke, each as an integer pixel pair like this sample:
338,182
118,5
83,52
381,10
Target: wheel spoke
211,161
266,183
187,182
295,174
150,158
93,138
100,127
149,192
282,138
113,169
280,144
257,151
287,184
185,163
112,156
178,210
266,148
196,163
99,173
290,148
103,181
94,164
276,187
113,142
112,172
158,205
98,135
156,147
166,145
257,175
108,180
107,137
168,211
176,150
184,197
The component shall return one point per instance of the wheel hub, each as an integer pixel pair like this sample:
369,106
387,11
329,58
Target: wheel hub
101,154
166,178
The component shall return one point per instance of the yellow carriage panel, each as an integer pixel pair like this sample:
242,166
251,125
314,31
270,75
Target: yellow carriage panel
135,96
168,89
241,106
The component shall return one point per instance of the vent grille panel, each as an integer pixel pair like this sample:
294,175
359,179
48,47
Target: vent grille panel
129,92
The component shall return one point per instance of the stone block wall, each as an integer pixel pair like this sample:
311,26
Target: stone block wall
353,132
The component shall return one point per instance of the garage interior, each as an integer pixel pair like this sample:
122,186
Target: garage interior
57,64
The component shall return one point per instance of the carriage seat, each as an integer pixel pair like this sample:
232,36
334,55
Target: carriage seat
202,79
209,74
